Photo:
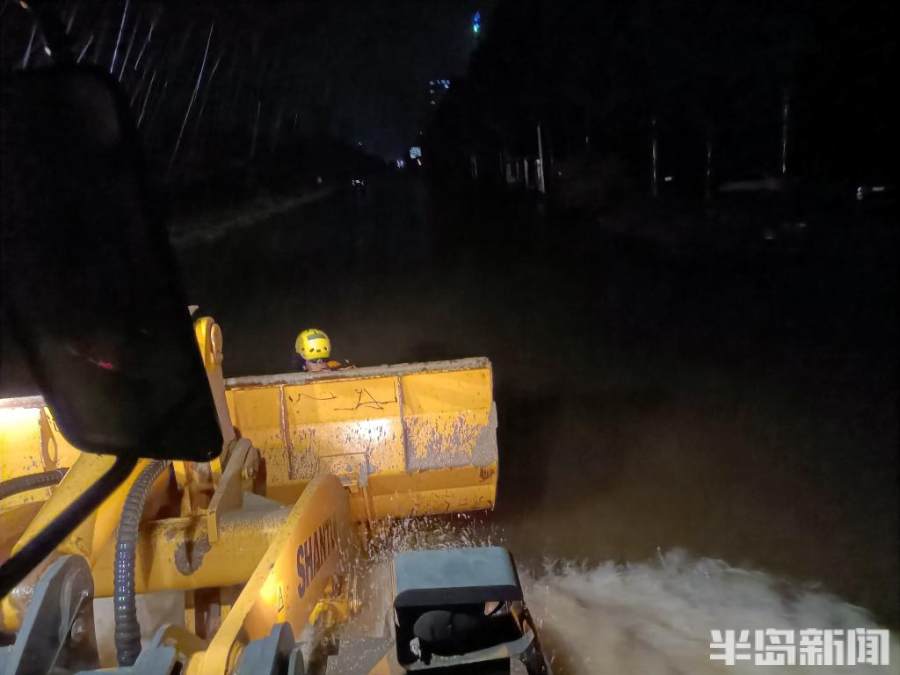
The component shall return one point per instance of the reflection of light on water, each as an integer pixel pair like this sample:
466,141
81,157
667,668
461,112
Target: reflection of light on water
651,618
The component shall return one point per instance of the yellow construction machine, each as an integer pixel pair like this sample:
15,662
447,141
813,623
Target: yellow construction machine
158,518
269,538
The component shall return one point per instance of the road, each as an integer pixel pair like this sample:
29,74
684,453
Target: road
742,409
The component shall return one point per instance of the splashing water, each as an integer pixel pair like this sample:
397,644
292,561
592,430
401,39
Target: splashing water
649,618
655,618
392,536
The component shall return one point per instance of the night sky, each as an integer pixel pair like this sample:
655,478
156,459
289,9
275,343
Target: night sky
359,68
270,77
383,56
355,70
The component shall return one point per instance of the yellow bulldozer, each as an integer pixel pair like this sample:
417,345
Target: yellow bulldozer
268,538
157,518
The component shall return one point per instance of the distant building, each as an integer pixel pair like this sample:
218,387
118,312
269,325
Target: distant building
426,107
436,91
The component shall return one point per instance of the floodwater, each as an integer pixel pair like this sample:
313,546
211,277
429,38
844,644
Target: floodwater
697,441
688,441
644,618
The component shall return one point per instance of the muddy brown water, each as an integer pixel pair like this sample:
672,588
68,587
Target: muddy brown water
659,411
742,409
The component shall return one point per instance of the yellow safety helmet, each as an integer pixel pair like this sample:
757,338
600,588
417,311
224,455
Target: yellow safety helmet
313,344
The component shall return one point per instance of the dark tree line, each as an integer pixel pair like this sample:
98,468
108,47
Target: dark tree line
722,84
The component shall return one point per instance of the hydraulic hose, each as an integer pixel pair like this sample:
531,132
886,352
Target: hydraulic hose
17,568
128,630
14,486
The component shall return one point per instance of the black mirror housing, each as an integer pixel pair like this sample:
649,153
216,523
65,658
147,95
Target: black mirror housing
89,282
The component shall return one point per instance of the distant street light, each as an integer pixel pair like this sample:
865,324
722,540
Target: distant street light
476,22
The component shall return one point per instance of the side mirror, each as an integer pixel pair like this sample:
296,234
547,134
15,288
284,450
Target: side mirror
89,283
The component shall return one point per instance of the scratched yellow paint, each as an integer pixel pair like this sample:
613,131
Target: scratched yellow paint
272,594
345,426
447,392
396,434
354,445
406,436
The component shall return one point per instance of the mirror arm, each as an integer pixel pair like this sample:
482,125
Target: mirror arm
44,542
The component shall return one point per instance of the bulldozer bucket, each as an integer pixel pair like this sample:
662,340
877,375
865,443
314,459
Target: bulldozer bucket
408,439
361,444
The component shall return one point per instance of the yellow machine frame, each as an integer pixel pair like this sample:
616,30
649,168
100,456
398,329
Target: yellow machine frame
264,533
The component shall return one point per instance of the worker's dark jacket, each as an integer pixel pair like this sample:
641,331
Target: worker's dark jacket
298,363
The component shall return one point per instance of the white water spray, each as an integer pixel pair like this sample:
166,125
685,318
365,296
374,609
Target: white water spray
655,618
648,618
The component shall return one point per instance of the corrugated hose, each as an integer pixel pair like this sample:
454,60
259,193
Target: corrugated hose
128,629
14,486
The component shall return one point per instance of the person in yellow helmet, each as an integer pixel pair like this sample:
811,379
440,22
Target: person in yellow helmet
312,352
